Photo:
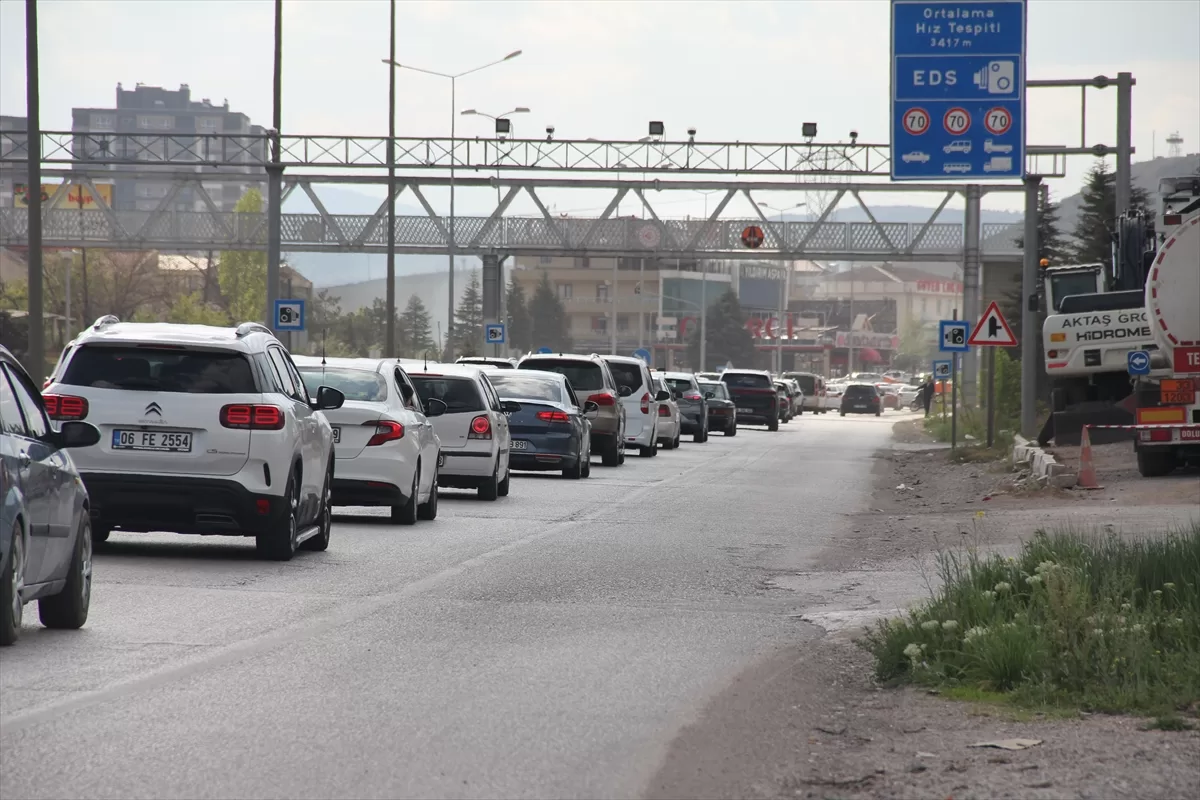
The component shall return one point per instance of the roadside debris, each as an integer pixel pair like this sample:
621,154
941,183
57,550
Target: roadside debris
1009,744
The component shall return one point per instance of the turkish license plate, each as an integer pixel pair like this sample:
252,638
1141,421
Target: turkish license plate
337,435
745,410
518,444
154,441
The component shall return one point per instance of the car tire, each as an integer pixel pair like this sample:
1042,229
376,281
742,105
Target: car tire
587,464
843,413
1154,464
678,440
731,430
504,485
279,544
877,413
320,542
407,513
773,425
68,610
575,471
649,451
13,580
428,509
610,454
489,489
100,534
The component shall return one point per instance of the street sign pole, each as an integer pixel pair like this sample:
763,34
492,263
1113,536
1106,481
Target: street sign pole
991,396
954,396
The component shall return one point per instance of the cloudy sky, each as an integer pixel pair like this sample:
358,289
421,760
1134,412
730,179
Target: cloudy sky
750,71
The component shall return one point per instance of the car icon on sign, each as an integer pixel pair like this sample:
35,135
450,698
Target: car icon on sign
915,156
960,146
991,147
956,168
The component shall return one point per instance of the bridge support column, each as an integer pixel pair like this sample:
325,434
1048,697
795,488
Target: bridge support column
491,300
971,294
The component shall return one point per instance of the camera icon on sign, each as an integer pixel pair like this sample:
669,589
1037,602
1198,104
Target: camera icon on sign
288,316
998,77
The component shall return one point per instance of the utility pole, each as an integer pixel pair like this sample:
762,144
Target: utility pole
1030,336
1124,179
972,295
389,347
35,358
275,178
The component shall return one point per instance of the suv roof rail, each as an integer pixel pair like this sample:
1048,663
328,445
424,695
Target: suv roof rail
247,328
107,319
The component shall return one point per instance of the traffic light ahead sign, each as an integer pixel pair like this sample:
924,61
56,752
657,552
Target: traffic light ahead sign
992,330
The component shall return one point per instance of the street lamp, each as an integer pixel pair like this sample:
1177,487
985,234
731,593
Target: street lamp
787,282
450,244
501,130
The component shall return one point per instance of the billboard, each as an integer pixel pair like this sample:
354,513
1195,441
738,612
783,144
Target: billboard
76,196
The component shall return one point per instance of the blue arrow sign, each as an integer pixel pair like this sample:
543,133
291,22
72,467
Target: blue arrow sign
544,350
643,354
1138,362
958,89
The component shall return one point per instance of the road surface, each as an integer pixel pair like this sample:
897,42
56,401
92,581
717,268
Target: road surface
550,644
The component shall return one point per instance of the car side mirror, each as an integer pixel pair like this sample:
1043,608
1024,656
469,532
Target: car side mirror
624,391
662,396
74,434
435,407
510,406
591,410
709,395
328,399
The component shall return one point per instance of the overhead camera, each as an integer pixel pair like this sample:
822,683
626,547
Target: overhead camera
691,131
549,133
853,137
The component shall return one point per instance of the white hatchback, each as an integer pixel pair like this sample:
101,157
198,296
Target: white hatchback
386,450
473,430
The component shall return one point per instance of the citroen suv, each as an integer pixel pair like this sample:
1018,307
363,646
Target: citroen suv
592,381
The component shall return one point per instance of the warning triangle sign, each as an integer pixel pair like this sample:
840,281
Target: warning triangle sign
992,330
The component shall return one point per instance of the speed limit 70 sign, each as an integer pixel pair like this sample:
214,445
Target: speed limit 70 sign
952,336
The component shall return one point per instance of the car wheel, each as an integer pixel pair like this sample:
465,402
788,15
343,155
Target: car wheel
843,413
678,438
611,454
13,582
428,509
504,485
877,413
1155,463
489,489
650,451
407,513
773,425
68,609
731,430
587,464
320,542
100,534
280,544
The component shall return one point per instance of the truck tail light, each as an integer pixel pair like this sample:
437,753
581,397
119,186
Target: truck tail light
481,428
385,431
646,403
65,406
252,417
1155,435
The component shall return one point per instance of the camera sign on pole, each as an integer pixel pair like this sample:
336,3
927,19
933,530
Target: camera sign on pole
952,335
289,315
941,370
494,332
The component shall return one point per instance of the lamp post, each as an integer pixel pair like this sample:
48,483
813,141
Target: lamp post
704,287
450,244
787,285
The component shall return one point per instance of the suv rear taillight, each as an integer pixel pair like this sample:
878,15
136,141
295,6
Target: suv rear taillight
692,396
385,431
65,406
481,428
553,416
664,410
605,398
646,403
252,417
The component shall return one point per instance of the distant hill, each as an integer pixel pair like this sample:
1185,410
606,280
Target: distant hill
1145,174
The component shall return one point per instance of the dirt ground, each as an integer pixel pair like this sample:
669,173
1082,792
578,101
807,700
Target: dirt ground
812,722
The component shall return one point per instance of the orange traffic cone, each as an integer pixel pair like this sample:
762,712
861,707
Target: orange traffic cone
1087,472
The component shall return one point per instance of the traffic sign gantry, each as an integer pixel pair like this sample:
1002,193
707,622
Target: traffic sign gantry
958,89
1138,362
941,370
992,330
952,335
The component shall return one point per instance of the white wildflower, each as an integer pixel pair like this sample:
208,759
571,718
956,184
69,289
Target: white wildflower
989,595
1097,631
1157,593
930,625
1125,606
1168,585
975,633
1137,628
1034,580
1003,586
1045,566
950,625
913,651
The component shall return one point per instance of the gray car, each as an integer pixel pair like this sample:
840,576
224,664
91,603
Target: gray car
45,533
693,408
592,381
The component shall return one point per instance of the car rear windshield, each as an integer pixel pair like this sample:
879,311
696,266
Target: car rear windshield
626,375
737,380
356,384
808,384
154,369
718,389
459,394
491,362
585,376
681,385
861,391
515,386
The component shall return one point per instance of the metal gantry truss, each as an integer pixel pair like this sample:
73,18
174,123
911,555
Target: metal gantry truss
717,236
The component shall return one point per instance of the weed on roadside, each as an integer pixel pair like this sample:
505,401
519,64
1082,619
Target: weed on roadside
1075,621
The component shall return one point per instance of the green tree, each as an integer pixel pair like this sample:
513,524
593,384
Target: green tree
916,346
548,319
242,274
468,319
1051,243
1098,213
520,324
413,329
728,339
191,309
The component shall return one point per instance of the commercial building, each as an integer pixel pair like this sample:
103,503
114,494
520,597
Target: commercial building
13,135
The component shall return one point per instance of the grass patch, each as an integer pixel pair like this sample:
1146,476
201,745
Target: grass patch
1074,622
1168,722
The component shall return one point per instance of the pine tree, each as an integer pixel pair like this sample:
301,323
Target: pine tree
1051,243
242,274
520,326
1097,216
413,329
468,319
548,318
728,339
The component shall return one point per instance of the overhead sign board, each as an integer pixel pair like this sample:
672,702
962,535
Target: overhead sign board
76,196
494,332
941,370
958,89
992,330
952,335
289,315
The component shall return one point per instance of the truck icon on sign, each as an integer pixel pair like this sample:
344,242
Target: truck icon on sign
998,164
991,147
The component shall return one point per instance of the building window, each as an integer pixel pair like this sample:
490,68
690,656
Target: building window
585,262
622,322
206,124
102,122
600,324
545,259
564,291
602,292
156,123
924,307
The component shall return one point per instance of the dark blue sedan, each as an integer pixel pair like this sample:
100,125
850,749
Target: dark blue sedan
552,431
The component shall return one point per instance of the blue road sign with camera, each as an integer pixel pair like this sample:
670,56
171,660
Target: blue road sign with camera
952,335
958,89
494,333
941,370
1138,362
289,315
643,354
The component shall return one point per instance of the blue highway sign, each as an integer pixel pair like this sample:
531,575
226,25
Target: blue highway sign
544,350
494,332
289,315
1139,362
952,335
643,354
958,89
941,370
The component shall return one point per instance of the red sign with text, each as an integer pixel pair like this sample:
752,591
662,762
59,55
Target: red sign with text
1186,360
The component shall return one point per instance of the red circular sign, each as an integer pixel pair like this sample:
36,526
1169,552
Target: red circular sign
957,121
998,120
916,121
752,236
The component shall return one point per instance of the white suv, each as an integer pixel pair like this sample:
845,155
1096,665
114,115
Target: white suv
202,430
641,402
473,429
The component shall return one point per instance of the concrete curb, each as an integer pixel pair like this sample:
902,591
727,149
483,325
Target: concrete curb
1046,470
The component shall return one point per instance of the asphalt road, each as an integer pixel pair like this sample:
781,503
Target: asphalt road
550,644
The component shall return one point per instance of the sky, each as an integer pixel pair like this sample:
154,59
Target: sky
749,71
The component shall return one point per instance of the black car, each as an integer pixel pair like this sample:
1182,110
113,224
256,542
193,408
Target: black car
861,398
552,430
755,396
722,413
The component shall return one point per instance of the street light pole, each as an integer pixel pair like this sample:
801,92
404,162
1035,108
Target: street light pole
389,346
786,289
496,118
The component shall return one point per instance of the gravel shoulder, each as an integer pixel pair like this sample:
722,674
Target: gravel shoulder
811,722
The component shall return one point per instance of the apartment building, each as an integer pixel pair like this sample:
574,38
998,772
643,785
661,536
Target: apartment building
156,112
13,135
